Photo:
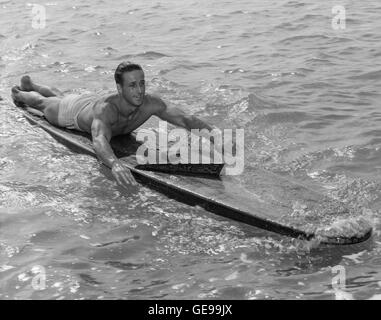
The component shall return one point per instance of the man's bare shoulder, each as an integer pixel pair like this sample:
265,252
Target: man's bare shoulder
106,110
154,103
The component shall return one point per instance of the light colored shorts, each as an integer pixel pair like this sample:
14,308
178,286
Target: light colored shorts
70,107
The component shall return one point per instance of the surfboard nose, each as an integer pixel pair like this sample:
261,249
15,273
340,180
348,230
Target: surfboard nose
330,221
342,224
346,231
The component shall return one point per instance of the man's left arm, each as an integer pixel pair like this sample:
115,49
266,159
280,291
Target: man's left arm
179,118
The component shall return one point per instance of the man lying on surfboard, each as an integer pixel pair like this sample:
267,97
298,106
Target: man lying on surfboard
105,116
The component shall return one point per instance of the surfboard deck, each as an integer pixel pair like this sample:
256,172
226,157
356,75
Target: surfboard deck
265,200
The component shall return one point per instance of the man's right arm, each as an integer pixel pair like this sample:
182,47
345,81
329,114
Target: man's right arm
101,135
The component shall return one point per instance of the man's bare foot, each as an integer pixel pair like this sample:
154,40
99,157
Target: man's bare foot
16,96
15,92
26,83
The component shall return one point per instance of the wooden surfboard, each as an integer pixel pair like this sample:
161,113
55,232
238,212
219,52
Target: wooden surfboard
264,199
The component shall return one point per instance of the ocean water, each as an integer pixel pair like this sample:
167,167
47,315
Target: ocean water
307,94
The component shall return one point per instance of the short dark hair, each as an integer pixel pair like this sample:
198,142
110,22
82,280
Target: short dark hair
125,66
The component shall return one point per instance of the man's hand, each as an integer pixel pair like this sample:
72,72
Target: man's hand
122,174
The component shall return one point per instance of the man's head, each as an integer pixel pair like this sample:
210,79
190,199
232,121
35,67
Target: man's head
129,78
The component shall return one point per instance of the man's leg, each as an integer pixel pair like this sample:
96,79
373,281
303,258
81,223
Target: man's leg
48,105
28,85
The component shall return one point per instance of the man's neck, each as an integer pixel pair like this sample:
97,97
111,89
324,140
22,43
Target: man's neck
124,107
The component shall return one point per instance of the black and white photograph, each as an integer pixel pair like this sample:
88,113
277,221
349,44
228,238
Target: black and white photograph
190,154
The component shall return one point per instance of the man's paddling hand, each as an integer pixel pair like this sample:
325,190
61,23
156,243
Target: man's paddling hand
122,174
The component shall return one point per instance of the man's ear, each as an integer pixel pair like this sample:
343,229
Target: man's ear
119,88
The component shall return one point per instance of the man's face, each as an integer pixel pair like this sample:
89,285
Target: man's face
134,88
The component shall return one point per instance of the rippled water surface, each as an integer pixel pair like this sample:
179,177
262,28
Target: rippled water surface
307,95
